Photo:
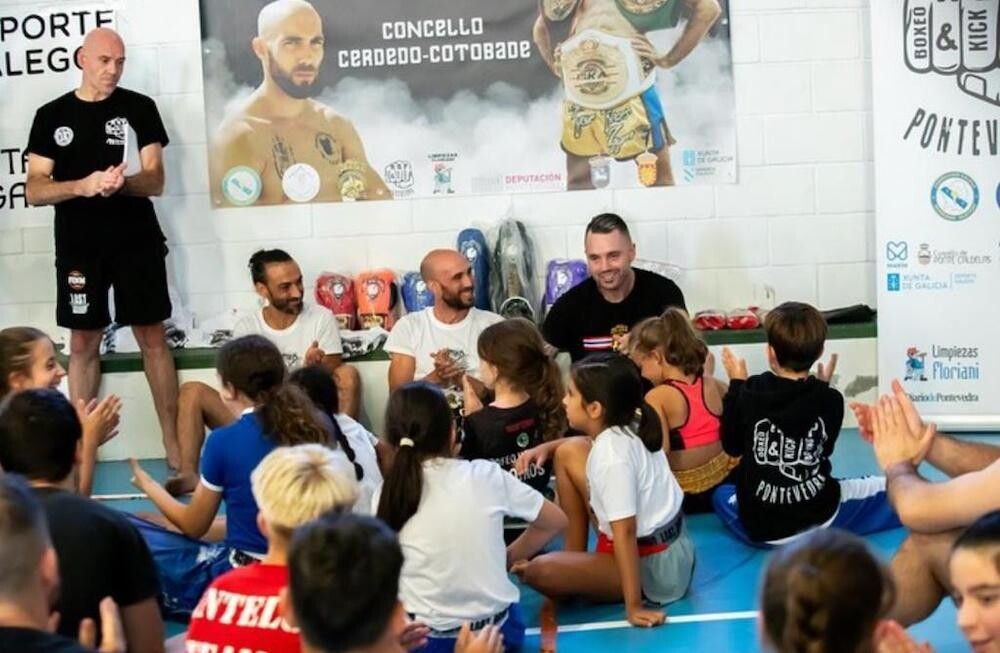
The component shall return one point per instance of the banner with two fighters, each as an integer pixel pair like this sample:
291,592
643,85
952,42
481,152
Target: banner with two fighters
342,100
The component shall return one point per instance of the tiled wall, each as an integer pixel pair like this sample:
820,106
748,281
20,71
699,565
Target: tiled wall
800,219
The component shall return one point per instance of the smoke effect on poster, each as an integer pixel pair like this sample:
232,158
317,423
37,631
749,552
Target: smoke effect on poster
340,100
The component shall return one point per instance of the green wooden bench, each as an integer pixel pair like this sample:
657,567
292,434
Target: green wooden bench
204,357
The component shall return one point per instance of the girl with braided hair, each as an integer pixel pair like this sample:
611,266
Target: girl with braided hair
825,593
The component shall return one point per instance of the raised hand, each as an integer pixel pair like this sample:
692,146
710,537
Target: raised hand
890,637
825,372
100,420
112,632
140,477
863,415
471,402
894,440
736,367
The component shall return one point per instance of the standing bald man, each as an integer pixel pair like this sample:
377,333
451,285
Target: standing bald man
438,344
279,145
106,232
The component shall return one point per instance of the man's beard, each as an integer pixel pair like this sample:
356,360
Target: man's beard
457,302
288,85
287,306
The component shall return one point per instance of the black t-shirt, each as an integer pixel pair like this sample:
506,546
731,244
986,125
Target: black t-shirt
582,322
785,430
502,434
26,640
81,137
100,554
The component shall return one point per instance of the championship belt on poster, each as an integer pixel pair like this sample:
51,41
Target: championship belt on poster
351,181
600,71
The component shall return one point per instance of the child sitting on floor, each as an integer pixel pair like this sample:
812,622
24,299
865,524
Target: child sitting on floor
784,423
354,441
643,550
449,514
292,486
273,414
523,425
672,357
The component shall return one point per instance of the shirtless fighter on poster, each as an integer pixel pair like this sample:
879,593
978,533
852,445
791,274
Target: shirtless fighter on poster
280,145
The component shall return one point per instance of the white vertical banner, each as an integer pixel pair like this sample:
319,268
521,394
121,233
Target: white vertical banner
936,76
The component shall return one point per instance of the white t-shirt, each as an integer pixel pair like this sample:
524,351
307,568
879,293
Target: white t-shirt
628,480
455,559
363,443
313,324
421,334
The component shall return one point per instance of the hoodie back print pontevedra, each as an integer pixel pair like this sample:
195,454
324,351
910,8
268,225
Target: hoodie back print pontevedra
785,431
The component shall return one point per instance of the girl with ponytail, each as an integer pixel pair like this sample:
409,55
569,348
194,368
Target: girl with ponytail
643,550
353,440
521,428
688,402
272,414
449,514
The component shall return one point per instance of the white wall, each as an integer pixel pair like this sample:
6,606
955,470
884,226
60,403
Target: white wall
800,219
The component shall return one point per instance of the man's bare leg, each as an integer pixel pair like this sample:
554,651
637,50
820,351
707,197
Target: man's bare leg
920,570
161,375
578,173
84,364
199,406
348,389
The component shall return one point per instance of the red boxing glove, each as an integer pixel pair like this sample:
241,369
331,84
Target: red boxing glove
377,297
710,320
336,292
742,319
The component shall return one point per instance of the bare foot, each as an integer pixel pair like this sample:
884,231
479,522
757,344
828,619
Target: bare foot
181,484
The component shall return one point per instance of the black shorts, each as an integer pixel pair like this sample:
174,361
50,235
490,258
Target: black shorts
137,273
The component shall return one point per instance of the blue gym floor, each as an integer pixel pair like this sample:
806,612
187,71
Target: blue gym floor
716,615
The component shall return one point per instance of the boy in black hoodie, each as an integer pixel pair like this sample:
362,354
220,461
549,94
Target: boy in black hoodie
784,423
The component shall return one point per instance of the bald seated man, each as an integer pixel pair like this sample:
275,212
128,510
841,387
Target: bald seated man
438,344
96,154
280,126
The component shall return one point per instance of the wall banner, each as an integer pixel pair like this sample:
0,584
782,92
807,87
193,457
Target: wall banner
339,100
937,178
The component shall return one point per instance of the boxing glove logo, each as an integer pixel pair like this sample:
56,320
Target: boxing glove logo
797,458
959,38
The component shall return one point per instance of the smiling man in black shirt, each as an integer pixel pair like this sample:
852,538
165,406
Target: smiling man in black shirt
106,233
594,315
